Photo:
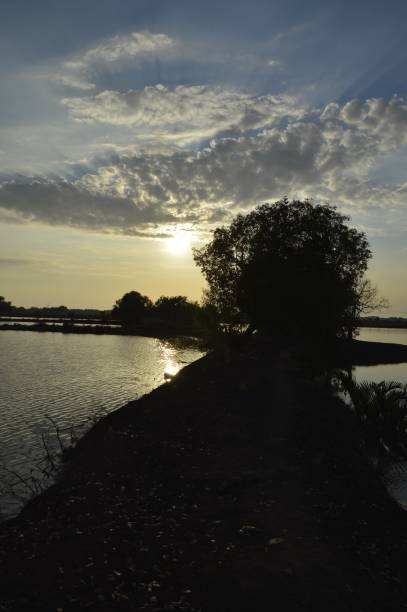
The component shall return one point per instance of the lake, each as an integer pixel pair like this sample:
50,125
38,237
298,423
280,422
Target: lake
393,371
72,379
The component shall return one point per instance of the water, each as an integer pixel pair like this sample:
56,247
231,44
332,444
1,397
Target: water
395,474
31,321
73,380
383,334
377,373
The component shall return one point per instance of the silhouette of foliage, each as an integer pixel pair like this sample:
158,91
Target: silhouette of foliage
58,312
288,268
367,300
381,409
131,308
176,309
5,307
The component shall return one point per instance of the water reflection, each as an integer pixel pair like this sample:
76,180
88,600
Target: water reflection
171,366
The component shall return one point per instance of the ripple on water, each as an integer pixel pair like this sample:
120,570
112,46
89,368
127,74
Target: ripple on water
72,378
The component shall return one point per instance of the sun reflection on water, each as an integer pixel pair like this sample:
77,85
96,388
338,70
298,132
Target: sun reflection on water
171,367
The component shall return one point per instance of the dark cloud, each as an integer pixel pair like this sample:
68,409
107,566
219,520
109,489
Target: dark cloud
65,204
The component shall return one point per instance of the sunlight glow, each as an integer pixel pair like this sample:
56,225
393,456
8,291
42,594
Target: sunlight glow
179,243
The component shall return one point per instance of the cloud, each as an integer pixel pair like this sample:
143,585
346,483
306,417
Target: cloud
385,119
328,157
77,71
70,78
126,47
63,203
183,113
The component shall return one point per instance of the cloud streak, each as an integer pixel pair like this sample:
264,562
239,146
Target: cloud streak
186,112
126,47
14,261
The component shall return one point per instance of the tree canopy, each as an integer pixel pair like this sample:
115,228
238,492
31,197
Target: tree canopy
291,268
5,307
168,315
176,308
131,308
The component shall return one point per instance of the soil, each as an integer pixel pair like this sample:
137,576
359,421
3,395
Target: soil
239,485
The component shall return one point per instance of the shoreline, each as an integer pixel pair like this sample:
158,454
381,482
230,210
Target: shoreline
229,488
153,331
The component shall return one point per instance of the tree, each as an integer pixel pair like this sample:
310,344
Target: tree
367,299
131,308
176,309
5,307
290,268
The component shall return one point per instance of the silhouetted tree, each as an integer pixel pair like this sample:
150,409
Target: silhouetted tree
5,307
289,268
366,300
176,309
131,308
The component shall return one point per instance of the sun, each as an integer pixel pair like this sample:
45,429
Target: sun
179,243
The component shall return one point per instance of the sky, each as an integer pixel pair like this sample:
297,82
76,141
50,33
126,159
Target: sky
130,129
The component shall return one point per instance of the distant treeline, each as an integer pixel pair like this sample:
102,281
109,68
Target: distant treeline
175,314
131,308
59,312
133,313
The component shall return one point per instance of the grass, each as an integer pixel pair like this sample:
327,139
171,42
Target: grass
57,444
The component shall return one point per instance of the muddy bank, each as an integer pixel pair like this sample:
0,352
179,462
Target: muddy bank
362,352
240,485
372,353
